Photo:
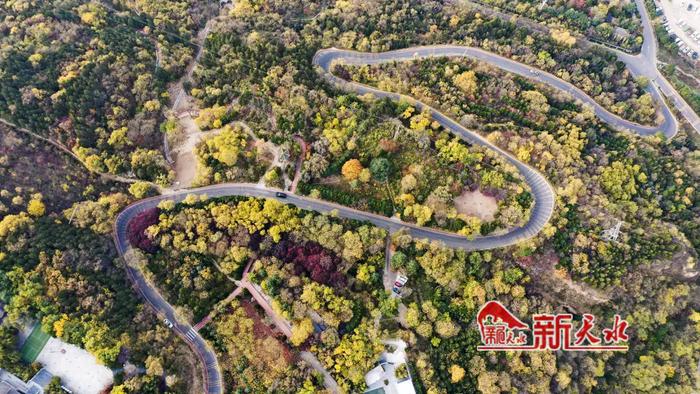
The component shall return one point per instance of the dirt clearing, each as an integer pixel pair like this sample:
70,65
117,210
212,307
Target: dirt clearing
476,204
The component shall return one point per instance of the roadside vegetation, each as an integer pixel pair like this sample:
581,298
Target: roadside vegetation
90,78
313,267
229,155
60,268
611,22
387,158
600,175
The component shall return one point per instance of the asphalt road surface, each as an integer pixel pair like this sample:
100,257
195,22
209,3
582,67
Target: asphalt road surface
541,213
207,357
327,57
644,64
542,191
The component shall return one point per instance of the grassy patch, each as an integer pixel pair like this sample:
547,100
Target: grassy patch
34,344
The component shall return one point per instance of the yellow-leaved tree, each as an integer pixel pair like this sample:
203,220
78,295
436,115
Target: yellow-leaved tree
351,169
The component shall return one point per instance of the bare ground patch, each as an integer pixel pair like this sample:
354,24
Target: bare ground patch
476,203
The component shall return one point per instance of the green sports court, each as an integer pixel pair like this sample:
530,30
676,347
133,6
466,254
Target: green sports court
34,344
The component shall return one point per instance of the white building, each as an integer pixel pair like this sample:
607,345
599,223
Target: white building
11,384
391,375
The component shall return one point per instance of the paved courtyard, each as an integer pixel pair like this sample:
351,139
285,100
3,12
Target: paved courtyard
78,369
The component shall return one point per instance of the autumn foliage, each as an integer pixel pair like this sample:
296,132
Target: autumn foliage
312,259
136,229
351,169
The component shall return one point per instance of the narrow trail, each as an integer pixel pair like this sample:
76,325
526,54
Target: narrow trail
181,102
299,163
105,176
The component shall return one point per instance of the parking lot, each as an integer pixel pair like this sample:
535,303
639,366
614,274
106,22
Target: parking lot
683,20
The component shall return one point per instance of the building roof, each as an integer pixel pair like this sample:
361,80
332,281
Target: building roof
42,378
405,387
621,32
6,388
11,384
374,375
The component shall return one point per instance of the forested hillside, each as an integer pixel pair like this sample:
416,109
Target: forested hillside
93,76
60,268
285,296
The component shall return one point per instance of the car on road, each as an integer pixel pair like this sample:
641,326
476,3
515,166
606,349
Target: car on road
168,323
281,195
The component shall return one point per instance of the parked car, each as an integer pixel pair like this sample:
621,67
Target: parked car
168,323
400,282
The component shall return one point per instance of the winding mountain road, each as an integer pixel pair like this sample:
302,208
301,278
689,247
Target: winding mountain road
645,64
542,191
325,58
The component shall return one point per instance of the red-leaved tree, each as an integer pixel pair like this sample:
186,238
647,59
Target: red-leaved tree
310,258
136,229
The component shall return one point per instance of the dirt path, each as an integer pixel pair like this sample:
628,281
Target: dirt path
272,148
177,92
240,285
264,303
299,163
328,380
180,101
64,149
185,162
183,108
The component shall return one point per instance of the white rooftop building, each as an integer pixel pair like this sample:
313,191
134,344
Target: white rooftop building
391,375
11,384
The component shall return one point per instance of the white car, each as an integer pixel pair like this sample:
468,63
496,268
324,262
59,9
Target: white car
168,323
400,282
402,279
